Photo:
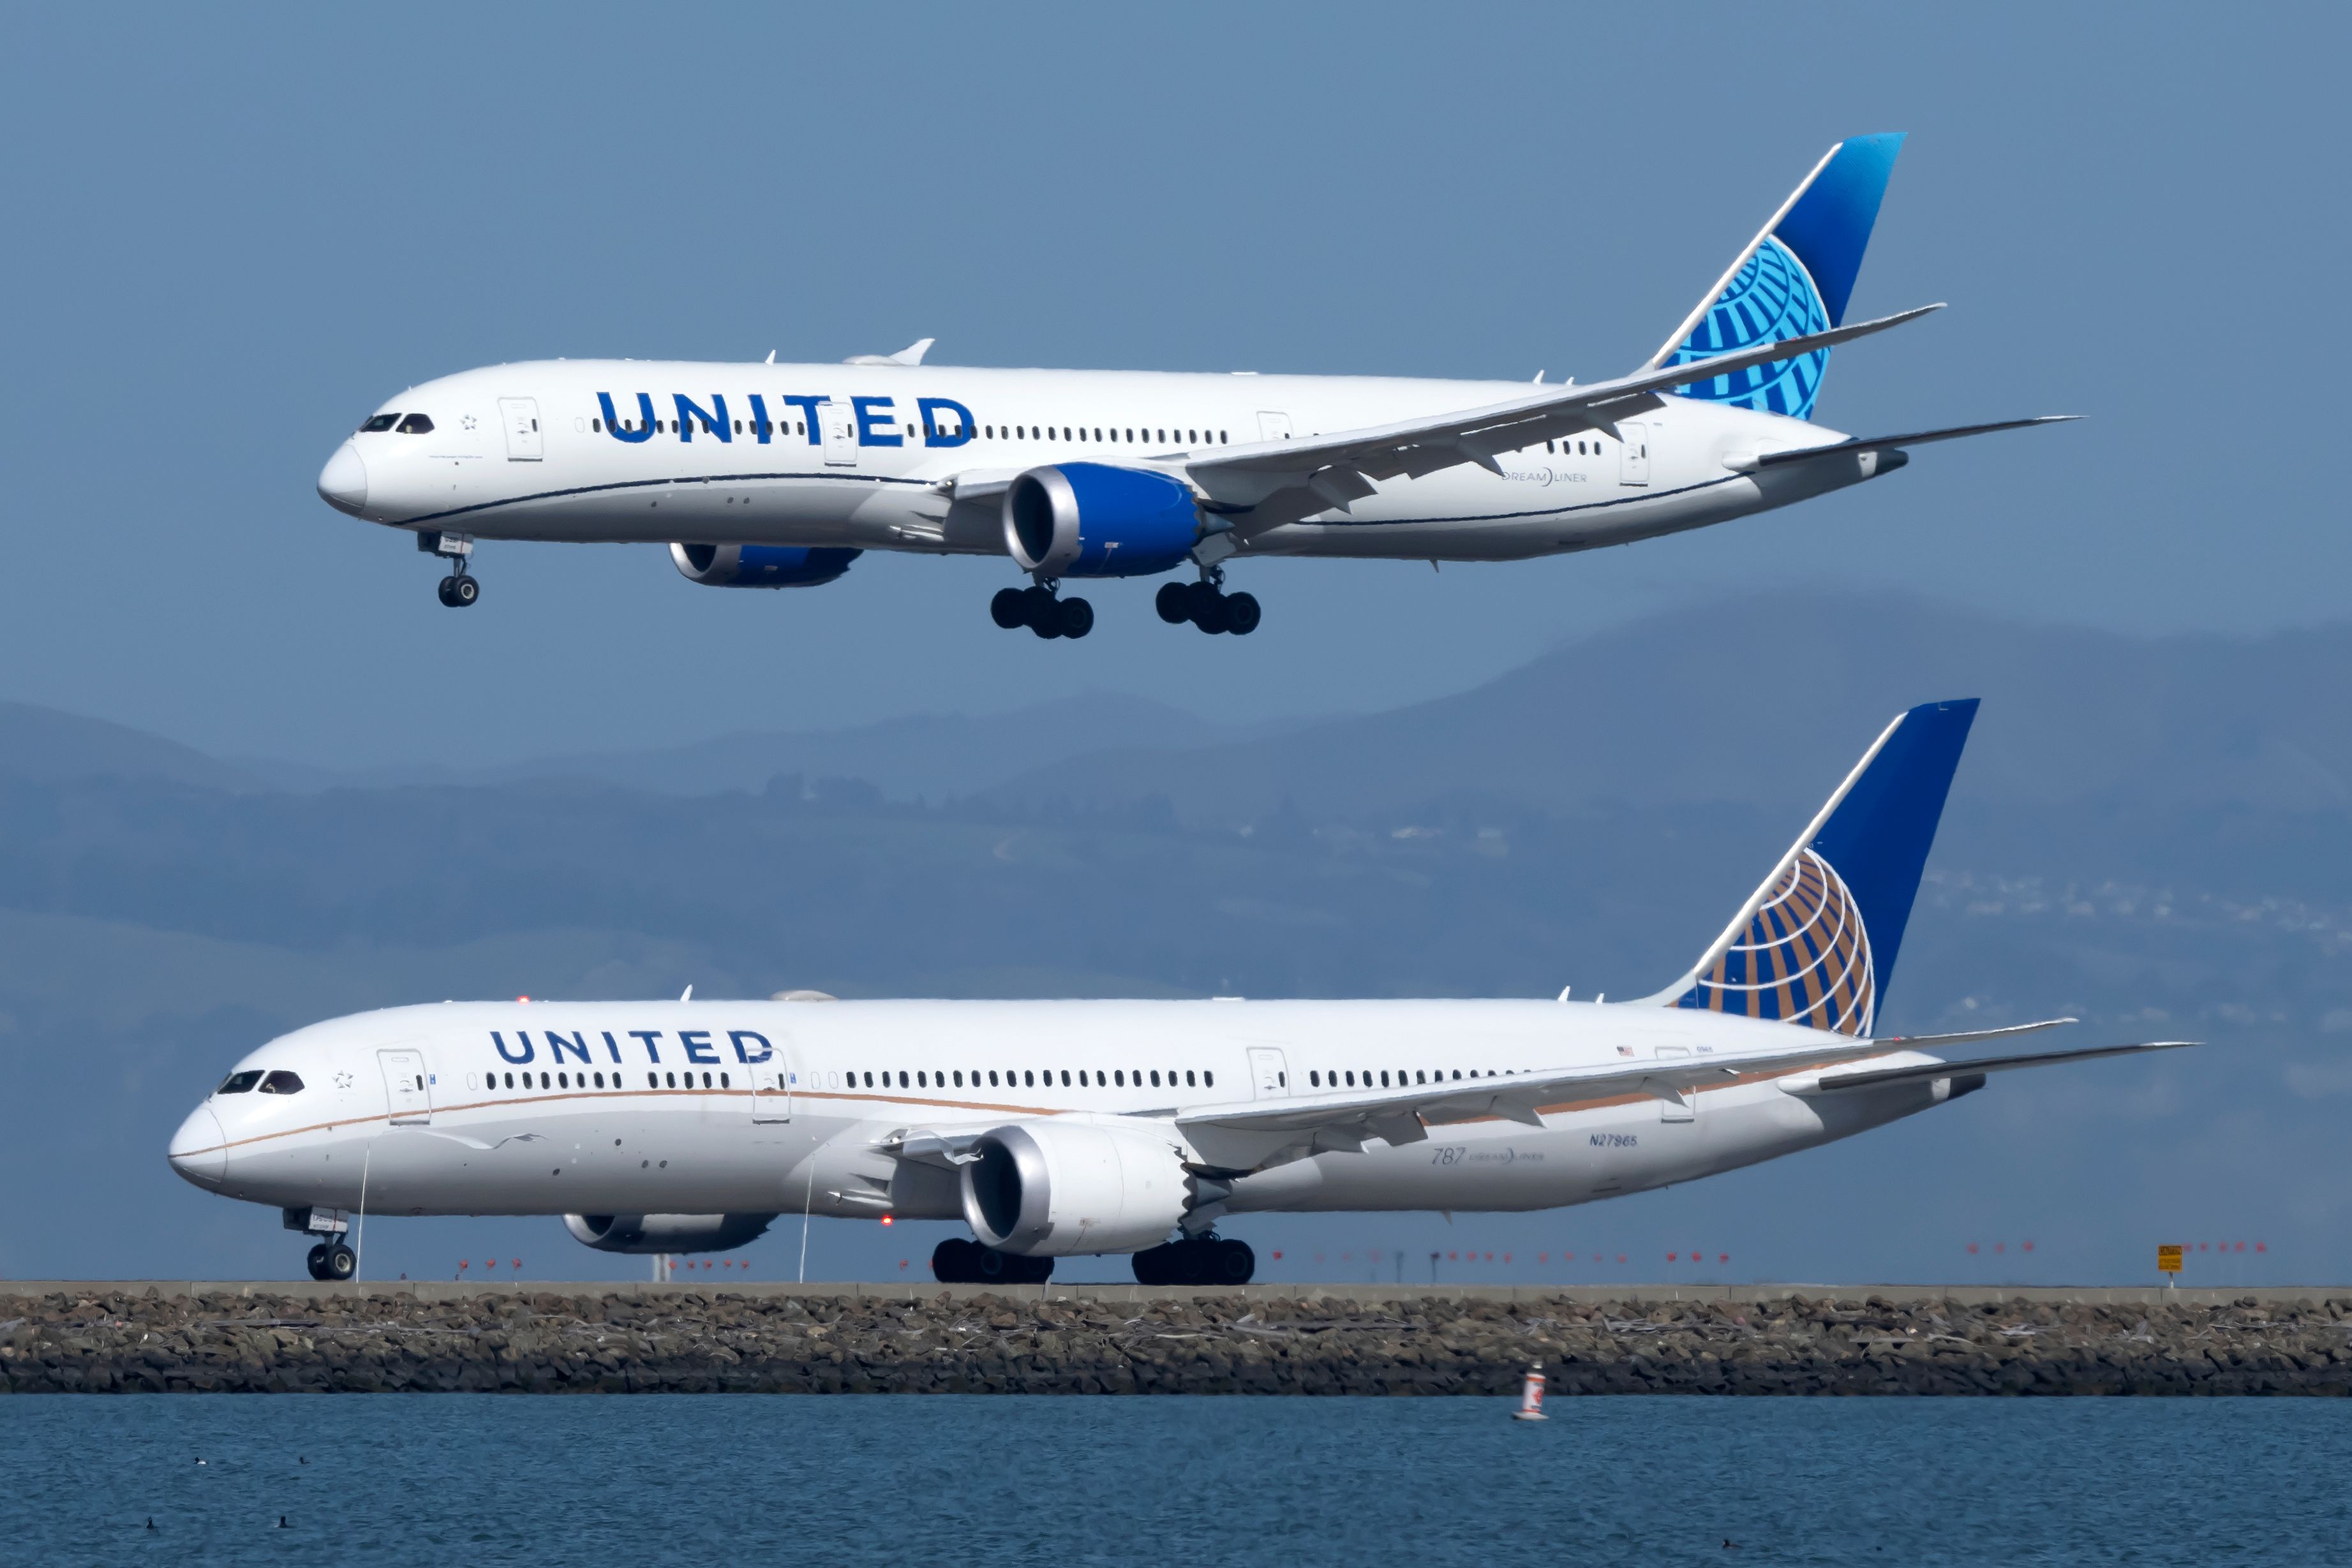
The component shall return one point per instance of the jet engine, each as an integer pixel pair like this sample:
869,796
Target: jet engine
761,566
1092,519
665,1232
1048,1189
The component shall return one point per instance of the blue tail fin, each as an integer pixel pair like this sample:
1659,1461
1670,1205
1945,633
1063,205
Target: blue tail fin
1794,277
1816,944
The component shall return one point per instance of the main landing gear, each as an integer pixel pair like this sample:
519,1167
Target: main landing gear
1207,605
1202,1261
956,1261
460,588
334,1260
1038,608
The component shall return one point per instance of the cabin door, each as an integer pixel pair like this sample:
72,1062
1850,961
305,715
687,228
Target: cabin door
520,416
1273,426
1269,1075
1686,1108
408,1086
840,422
1633,455
772,1086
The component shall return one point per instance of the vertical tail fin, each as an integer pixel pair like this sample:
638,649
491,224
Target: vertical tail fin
1794,277
1815,944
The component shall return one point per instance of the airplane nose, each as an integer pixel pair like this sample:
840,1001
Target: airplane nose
197,1150
343,482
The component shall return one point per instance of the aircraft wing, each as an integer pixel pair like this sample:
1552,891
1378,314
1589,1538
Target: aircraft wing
1333,470
1248,1135
1916,438
1870,1078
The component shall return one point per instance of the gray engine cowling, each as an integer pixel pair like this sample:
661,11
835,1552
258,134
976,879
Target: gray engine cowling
761,566
665,1232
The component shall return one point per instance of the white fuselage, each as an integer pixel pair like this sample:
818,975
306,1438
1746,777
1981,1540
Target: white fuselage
715,1106
856,456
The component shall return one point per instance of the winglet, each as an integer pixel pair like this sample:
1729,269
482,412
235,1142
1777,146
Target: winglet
907,356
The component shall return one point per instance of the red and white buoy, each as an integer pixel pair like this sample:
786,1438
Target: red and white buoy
1531,1395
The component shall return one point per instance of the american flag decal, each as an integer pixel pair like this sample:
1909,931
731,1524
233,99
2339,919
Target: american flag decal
1804,958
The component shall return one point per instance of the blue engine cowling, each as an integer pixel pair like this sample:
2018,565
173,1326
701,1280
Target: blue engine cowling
1091,519
761,566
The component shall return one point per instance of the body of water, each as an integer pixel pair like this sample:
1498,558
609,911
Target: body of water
737,1480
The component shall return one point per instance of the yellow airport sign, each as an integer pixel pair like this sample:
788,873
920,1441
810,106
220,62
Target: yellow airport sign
2168,1260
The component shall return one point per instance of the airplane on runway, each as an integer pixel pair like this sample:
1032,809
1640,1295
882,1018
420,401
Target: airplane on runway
1054,1128
780,476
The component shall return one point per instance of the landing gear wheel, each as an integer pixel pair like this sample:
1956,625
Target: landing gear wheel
1009,609
1206,607
443,588
318,1262
955,1261
1240,613
1202,1260
1174,602
342,1262
1078,618
457,593
1041,611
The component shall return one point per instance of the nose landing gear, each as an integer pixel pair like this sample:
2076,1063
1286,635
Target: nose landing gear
1207,605
460,588
1038,608
334,1260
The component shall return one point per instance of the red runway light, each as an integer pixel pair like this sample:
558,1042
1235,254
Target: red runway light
1277,1256
1972,1248
2028,1246
1621,1257
2262,1247
1670,1257
1723,1257
516,1264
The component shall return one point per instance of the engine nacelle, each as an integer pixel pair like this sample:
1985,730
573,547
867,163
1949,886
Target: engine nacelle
1048,1189
665,1232
1091,519
761,566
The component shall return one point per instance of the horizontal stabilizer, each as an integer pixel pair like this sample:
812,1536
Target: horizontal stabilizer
1876,1077
1916,438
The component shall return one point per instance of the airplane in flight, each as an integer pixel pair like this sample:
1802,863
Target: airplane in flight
780,476
1061,1128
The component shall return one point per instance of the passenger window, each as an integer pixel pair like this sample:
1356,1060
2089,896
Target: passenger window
1315,1080
1384,1077
1187,1078
1029,1078
673,1079
600,1081
282,1084
706,1081
1351,1079
238,1083
1120,1078
1155,1078
379,424
959,1079
415,425
563,1081
1065,1078
1207,1078
922,1081
902,1082
653,1079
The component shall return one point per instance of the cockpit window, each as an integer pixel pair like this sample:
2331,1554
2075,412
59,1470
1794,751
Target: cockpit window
415,425
238,1082
380,423
282,1082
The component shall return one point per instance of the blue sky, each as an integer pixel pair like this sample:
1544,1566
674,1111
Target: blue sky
234,232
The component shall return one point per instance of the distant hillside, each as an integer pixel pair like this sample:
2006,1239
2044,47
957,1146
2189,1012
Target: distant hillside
928,755
1767,701
41,743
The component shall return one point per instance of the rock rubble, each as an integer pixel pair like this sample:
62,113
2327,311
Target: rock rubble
693,1340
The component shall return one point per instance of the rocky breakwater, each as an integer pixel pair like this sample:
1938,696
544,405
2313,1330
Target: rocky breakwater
694,1341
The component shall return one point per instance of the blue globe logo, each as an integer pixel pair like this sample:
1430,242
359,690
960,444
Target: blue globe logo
1769,300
